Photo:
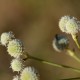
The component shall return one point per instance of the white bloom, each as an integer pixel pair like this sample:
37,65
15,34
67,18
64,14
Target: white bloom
62,23
72,26
16,78
29,73
15,48
16,65
69,25
6,37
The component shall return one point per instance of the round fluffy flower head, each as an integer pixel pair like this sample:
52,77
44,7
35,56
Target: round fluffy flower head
16,78
29,73
62,23
72,26
15,48
6,37
60,43
16,65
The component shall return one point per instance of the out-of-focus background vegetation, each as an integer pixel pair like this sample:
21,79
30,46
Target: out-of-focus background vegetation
35,22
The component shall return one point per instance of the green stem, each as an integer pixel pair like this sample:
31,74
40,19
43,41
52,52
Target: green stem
52,64
76,40
73,55
71,78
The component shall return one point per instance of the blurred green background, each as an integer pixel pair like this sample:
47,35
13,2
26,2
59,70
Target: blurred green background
35,22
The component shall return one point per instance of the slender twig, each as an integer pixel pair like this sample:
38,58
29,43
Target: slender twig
71,78
72,54
52,64
75,38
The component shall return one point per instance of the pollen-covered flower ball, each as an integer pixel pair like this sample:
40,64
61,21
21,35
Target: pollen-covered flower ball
16,65
72,26
29,73
62,23
15,48
6,37
16,78
60,43
69,25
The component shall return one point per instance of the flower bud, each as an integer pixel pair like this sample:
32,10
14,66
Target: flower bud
29,73
72,26
62,23
15,48
6,37
16,65
69,25
16,78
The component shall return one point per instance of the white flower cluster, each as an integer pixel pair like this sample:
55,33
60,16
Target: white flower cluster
15,49
16,78
16,65
29,73
69,25
6,37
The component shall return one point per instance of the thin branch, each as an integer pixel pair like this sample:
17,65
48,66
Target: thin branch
52,64
72,78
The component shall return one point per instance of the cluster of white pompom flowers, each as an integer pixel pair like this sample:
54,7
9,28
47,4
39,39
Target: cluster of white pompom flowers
71,26
15,49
